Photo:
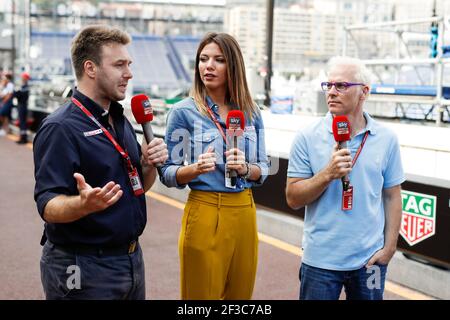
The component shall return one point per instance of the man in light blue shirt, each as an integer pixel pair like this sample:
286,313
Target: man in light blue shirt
346,248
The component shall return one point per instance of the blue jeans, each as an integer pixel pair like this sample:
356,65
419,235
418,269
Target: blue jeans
68,276
5,109
360,284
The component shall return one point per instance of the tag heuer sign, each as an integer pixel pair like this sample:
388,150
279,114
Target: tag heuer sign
419,216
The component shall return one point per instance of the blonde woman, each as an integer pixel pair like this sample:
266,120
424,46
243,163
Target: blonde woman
218,242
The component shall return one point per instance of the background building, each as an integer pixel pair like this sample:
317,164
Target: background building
145,17
306,33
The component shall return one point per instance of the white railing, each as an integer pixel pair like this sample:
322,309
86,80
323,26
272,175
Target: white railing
438,62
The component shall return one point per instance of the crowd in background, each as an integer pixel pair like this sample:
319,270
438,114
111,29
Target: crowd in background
14,96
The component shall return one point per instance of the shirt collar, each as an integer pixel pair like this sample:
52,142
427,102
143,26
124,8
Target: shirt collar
211,104
370,125
115,109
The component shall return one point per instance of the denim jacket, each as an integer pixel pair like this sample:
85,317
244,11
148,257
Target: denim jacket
189,134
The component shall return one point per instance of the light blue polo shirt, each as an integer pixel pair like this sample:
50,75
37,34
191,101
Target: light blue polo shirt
345,240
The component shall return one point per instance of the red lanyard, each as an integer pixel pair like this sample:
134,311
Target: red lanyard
360,148
216,122
106,132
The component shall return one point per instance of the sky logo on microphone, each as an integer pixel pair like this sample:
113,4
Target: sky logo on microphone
235,123
342,127
147,107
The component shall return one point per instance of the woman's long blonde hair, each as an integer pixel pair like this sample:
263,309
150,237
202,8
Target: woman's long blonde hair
237,93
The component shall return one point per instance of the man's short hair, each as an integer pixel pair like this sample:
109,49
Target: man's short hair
362,74
87,45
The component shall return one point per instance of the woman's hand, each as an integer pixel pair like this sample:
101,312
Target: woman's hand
206,161
236,161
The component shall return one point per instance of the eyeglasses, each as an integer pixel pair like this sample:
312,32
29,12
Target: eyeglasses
340,86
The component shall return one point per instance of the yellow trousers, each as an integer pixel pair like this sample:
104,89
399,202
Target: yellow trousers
218,246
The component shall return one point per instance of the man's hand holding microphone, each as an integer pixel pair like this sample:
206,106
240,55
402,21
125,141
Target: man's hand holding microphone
154,153
340,164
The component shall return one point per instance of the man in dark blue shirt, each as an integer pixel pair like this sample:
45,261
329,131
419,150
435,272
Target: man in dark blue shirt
91,177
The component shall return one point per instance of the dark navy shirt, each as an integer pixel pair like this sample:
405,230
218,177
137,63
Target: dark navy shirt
68,142
22,95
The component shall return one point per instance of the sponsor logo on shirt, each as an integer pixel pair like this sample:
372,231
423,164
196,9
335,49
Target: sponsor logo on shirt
92,133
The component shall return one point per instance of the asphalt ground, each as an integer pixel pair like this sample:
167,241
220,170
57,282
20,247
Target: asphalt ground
21,229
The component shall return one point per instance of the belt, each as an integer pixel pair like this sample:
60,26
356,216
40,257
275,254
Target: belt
99,251
226,199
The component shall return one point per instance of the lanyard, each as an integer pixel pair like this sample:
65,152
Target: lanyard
360,148
216,122
124,154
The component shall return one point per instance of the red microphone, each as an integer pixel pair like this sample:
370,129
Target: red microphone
235,128
143,114
235,121
341,133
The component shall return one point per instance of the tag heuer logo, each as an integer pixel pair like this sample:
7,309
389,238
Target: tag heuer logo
418,218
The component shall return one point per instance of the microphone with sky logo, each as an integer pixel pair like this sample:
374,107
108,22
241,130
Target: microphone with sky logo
341,133
143,114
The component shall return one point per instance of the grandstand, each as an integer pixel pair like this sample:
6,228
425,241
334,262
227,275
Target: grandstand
152,66
185,48
50,54
161,64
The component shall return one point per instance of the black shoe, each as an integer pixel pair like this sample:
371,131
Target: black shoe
23,139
